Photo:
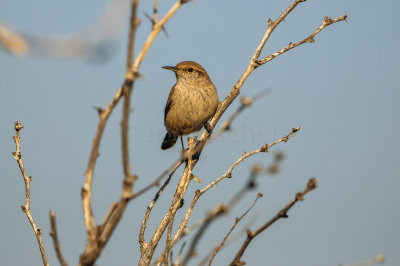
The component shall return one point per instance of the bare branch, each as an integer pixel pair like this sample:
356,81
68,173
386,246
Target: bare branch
227,174
231,240
27,179
153,21
310,39
107,218
244,103
156,181
91,228
178,258
223,209
56,242
134,23
127,90
155,11
150,39
312,184
142,242
237,220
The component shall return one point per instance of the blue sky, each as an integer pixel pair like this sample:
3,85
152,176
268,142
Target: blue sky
343,92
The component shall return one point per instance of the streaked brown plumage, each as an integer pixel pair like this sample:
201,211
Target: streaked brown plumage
192,101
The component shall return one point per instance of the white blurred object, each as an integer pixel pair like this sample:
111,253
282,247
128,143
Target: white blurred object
94,42
378,259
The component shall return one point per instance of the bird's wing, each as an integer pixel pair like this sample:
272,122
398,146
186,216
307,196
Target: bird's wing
169,103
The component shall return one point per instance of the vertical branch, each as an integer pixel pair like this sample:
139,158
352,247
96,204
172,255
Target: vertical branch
134,23
155,11
156,29
27,179
91,228
127,90
125,129
147,249
56,242
188,177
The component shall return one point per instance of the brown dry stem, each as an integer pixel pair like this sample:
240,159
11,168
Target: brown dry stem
245,103
224,208
232,239
27,180
237,220
54,235
227,174
312,184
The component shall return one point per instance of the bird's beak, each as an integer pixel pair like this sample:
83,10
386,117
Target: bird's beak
172,68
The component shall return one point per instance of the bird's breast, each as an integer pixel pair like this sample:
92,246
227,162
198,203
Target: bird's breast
190,108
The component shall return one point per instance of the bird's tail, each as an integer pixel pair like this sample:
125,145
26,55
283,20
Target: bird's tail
169,141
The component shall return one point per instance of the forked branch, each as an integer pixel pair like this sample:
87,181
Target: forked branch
237,220
312,184
227,174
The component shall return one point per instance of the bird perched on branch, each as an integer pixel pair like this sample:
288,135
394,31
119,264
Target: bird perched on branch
192,101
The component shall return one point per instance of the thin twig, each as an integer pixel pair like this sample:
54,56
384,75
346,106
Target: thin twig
156,181
150,39
153,22
151,205
155,11
312,184
56,242
27,179
134,23
178,258
91,228
310,39
237,220
231,240
227,174
205,223
244,104
224,209
107,217
168,245
127,89
147,249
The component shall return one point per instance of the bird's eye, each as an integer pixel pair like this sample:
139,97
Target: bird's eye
190,69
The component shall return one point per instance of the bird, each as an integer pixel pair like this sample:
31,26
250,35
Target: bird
192,101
